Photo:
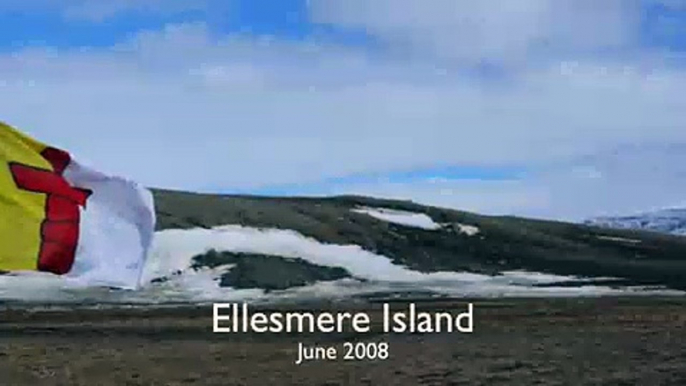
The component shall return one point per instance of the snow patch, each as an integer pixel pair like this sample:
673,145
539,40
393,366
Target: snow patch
619,239
417,220
173,251
469,230
672,221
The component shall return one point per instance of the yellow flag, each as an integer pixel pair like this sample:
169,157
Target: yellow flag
59,216
22,211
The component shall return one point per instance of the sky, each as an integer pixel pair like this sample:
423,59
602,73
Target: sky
563,109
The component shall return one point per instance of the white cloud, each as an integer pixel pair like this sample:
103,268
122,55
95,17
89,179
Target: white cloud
178,108
493,197
632,179
500,30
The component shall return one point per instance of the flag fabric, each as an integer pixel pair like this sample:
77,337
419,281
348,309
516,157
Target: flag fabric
61,217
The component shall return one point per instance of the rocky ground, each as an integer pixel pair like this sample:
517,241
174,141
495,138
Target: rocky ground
609,341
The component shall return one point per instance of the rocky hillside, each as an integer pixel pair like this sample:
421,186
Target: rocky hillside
672,221
422,238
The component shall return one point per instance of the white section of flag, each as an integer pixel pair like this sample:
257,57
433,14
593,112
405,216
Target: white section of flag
116,229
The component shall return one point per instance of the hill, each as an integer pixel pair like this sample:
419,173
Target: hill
419,238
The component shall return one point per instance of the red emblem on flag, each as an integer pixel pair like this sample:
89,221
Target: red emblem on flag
60,228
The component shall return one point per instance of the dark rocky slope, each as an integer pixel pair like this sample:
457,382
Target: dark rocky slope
503,243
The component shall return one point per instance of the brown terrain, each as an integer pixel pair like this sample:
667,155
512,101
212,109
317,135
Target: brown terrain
606,341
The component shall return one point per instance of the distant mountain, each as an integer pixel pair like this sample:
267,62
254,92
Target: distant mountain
671,221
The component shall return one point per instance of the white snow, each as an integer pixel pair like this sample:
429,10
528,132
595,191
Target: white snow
619,239
417,220
469,230
671,220
174,249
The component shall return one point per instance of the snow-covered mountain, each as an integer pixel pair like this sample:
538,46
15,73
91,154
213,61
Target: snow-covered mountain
672,221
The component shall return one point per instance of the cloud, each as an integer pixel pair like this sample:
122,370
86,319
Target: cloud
631,180
184,108
498,197
501,30
298,114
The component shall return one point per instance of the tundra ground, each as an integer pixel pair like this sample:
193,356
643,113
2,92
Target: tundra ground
607,341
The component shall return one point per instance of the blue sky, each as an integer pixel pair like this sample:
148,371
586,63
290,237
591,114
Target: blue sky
285,19
661,25
507,107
